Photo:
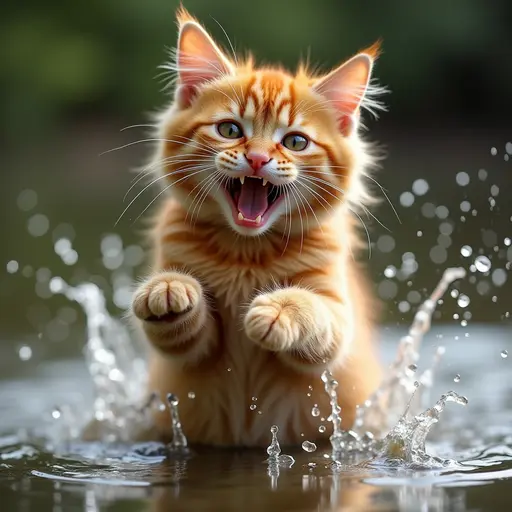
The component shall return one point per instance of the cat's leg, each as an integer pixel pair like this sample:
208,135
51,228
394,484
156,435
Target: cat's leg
175,316
303,327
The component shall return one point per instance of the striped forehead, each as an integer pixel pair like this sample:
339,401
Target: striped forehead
268,101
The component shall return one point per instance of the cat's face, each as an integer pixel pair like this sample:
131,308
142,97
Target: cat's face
259,148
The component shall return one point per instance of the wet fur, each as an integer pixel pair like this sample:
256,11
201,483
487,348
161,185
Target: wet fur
243,319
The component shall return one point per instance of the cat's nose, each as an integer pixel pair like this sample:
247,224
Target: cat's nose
257,159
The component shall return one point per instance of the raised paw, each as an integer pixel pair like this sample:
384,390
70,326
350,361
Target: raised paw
274,321
165,295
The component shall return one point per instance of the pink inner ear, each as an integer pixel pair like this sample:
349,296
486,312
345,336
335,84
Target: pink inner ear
185,94
345,88
199,58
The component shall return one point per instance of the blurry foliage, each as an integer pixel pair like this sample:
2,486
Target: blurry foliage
60,58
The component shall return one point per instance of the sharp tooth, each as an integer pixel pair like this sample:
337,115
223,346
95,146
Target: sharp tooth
240,216
265,182
258,219
242,179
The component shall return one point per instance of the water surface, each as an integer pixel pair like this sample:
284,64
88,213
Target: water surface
92,477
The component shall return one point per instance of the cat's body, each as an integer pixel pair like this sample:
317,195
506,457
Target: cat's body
254,295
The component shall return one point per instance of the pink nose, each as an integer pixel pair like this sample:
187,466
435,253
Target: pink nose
257,160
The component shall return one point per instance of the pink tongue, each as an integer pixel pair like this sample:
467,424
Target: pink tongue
253,199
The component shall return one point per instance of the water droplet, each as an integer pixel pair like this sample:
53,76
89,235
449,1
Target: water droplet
404,306
13,266
38,225
25,352
315,411
191,395
442,212
228,369
406,199
311,465
507,241
456,378
420,187
387,289
321,429
308,446
482,263
463,301
499,277
56,414
494,151
465,206
274,429
385,243
390,271
412,368
466,251
462,179
482,174
454,293
252,407
504,354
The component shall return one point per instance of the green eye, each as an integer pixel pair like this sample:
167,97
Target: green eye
295,142
230,130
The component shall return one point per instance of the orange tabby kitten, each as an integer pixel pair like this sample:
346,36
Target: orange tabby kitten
257,290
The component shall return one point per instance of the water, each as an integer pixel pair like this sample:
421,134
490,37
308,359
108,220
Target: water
404,452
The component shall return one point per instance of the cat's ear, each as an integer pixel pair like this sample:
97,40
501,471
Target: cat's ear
198,59
346,86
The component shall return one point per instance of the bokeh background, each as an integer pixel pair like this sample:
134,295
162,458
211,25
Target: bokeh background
73,75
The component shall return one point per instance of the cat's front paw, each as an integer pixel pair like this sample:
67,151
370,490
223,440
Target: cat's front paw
166,295
274,320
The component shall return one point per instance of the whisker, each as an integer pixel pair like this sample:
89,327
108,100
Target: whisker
137,126
367,233
312,211
202,184
142,174
142,141
385,195
300,217
188,176
164,176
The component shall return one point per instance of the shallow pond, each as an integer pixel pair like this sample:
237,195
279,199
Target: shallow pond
94,477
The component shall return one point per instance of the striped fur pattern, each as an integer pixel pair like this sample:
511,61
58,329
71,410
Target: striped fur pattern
256,290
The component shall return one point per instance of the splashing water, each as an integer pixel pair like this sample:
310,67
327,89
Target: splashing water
119,375
117,367
385,407
179,441
404,445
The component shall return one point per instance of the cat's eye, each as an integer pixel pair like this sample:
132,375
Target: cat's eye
230,130
295,142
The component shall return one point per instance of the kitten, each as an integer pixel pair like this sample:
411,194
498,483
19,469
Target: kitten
256,290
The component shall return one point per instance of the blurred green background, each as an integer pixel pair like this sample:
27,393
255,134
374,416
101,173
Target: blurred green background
74,74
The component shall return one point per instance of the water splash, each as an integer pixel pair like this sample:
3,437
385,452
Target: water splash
404,445
385,407
117,367
179,441
399,395
274,451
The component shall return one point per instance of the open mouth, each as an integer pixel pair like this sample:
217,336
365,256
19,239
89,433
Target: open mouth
252,200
